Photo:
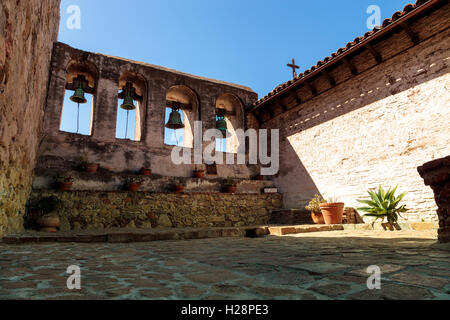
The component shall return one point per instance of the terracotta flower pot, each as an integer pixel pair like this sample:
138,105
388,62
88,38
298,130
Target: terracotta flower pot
65,186
332,212
179,189
230,189
200,174
317,218
48,223
146,172
91,167
134,187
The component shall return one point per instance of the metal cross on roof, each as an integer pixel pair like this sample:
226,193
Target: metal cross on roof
294,67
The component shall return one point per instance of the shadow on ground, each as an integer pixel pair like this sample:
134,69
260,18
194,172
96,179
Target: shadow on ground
310,266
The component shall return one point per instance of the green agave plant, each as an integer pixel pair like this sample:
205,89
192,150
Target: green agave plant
384,204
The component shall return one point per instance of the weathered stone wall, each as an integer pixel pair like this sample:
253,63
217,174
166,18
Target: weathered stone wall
62,150
372,129
98,210
27,32
436,175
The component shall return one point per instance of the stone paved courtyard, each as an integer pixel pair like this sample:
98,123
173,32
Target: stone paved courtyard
322,265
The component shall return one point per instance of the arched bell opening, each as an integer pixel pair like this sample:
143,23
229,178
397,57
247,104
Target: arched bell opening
78,106
229,118
131,106
181,111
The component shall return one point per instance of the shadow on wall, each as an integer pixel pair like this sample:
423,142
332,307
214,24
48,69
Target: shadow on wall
375,84
294,177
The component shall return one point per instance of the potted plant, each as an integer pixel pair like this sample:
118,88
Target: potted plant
134,184
199,173
64,183
87,165
179,188
230,186
146,171
332,211
314,208
384,205
44,214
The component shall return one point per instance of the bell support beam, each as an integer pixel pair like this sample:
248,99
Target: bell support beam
178,105
75,84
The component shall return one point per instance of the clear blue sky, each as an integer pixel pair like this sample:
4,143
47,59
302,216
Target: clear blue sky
248,42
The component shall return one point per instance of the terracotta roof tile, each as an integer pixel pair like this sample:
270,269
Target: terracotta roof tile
336,55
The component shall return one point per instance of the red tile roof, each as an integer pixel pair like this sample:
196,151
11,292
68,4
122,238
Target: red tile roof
340,52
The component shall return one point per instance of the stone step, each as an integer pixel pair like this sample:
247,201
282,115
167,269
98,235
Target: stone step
149,235
107,181
285,230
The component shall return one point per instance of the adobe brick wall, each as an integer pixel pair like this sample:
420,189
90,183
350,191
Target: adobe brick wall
372,129
27,31
98,210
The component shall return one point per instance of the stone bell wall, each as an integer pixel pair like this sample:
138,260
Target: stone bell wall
27,32
61,150
98,210
374,128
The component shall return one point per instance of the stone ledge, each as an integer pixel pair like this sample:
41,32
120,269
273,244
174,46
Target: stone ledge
109,181
285,230
130,235
149,235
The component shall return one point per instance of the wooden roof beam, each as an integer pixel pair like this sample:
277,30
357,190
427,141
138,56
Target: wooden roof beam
350,65
374,52
270,111
329,78
294,94
257,116
311,87
414,37
283,106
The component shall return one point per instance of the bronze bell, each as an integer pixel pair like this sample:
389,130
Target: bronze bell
221,125
128,102
78,96
175,122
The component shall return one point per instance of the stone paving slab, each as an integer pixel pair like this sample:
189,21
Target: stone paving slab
321,265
